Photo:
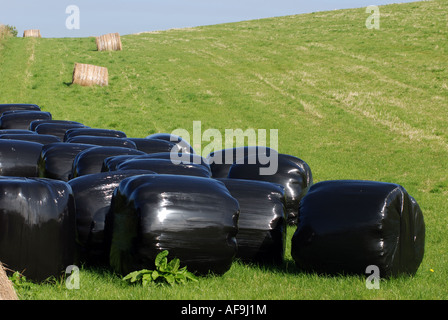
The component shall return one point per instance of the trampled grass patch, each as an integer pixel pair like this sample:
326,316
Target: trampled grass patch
353,103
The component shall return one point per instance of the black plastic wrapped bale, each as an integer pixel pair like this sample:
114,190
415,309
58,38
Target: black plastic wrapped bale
35,123
195,219
346,226
16,131
110,164
22,119
95,132
19,158
103,141
292,173
222,160
155,145
56,159
262,223
91,160
39,138
37,226
18,106
93,194
182,144
57,129
165,166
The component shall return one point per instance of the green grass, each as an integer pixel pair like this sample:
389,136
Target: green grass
353,103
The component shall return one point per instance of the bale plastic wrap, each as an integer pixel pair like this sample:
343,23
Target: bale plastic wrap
155,145
222,160
93,194
75,124
195,219
54,127
18,106
165,166
262,223
22,119
346,226
182,144
16,131
292,173
96,132
39,138
91,160
56,159
37,226
110,164
19,158
103,141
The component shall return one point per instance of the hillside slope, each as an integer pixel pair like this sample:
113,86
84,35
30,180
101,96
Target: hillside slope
352,102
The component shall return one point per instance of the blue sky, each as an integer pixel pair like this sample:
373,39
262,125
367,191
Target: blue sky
98,17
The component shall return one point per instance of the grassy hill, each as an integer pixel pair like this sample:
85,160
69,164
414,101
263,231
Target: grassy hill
353,103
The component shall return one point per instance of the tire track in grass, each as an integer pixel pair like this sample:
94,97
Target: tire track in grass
355,106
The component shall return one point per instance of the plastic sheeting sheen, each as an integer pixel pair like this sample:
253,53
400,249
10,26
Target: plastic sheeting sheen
18,106
262,223
292,173
194,218
346,226
103,141
165,166
19,158
21,119
37,226
39,138
96,132
56,159
93,194
91,160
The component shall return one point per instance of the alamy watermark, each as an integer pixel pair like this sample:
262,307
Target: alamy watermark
373,280
73,21
373,21
72,281
234,140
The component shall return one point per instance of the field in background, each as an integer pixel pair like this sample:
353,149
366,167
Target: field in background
353,103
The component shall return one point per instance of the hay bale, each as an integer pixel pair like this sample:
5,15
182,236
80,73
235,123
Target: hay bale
89,75
6,288
109,42
33,33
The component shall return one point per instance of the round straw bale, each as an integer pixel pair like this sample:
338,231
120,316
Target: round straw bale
109,42
89,75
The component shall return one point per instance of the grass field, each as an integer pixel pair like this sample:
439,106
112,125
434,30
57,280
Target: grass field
354,103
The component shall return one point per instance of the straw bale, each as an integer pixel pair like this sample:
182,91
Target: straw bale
33,33
7,291
109,42
89,75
